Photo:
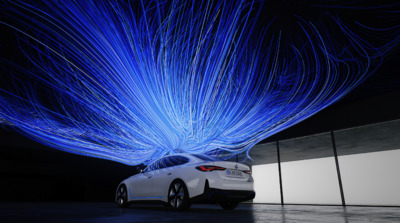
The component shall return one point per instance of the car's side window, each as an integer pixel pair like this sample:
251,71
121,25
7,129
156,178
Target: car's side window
180,160
159,164
175,161
167,162
149,168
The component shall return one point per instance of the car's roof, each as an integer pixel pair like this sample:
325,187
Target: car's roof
191,156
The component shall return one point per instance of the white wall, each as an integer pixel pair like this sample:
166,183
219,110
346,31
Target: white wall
368,179
371,178
312,181
266,183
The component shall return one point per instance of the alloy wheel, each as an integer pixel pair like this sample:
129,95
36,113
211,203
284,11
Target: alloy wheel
121,197
178,196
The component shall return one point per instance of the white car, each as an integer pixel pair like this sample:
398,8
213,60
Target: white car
180,180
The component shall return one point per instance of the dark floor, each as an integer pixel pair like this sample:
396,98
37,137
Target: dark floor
107,212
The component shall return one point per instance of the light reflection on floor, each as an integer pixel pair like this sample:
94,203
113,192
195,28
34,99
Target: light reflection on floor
107,212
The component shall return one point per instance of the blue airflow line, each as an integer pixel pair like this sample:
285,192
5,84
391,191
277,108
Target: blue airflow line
132,81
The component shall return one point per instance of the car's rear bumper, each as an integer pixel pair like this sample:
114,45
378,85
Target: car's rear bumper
214,195
218,195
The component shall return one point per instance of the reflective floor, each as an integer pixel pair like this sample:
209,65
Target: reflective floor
107,212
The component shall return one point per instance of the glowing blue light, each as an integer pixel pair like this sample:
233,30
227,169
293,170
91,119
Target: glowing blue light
131,82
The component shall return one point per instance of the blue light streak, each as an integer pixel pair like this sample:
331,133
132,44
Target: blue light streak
134,81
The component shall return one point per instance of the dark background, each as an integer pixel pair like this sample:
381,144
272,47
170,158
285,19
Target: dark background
30,171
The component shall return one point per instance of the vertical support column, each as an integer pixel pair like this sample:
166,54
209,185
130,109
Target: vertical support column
337,168
280,172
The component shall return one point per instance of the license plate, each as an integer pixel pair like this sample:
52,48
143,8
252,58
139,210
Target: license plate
234,173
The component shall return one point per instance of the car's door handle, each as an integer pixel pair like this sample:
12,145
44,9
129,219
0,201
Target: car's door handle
169,173
148,176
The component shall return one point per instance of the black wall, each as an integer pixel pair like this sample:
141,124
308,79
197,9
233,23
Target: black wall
30,171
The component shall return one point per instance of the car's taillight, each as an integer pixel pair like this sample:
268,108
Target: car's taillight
209,168
247,171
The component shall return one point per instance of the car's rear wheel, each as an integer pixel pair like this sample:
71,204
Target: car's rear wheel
178,196
229,205
121,197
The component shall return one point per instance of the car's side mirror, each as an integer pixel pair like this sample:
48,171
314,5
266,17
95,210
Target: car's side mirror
140,169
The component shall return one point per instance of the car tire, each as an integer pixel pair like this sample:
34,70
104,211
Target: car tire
229,205
121,197
178,196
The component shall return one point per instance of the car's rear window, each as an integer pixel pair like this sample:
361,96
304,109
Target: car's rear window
205,158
